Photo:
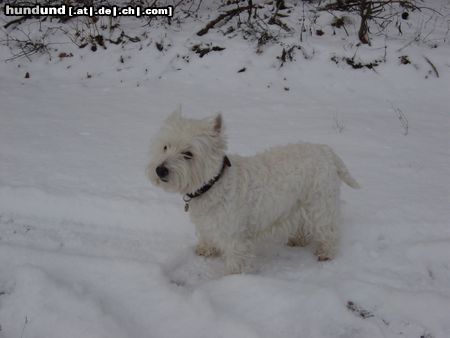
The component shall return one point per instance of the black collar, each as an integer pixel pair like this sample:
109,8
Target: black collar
187,198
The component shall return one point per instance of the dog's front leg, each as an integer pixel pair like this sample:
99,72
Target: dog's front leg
205,246
238,254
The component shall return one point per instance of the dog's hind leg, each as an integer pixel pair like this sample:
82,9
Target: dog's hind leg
299,228
326,239
324,215
325,229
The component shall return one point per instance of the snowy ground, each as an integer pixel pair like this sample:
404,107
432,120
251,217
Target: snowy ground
88,248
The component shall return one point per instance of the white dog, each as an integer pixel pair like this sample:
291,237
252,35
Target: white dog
234,201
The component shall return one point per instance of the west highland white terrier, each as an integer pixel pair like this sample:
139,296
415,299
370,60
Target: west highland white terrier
290,192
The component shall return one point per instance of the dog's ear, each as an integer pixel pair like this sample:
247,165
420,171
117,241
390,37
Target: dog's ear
176,114
217,123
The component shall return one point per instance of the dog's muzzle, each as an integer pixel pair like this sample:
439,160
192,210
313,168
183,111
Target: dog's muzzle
162,172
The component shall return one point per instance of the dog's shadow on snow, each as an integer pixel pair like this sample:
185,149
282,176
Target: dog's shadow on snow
186,269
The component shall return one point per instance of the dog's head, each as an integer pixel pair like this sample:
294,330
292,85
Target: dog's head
187,153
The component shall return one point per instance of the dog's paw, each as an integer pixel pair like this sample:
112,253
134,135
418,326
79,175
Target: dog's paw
325,252
206,251
298,241
323,258
323,255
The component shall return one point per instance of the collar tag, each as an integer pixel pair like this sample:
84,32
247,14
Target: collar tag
186,200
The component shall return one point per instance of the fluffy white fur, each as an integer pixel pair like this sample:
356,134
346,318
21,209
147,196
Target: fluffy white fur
289,191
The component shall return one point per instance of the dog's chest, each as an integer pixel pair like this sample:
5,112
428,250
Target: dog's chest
209,216
203,210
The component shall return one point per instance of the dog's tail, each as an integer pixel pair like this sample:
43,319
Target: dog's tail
343,172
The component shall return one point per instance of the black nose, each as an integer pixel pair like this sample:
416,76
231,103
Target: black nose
162,171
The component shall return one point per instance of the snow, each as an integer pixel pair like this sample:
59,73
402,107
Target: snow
88,248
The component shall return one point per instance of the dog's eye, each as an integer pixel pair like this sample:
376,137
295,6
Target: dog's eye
187,155
165,148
